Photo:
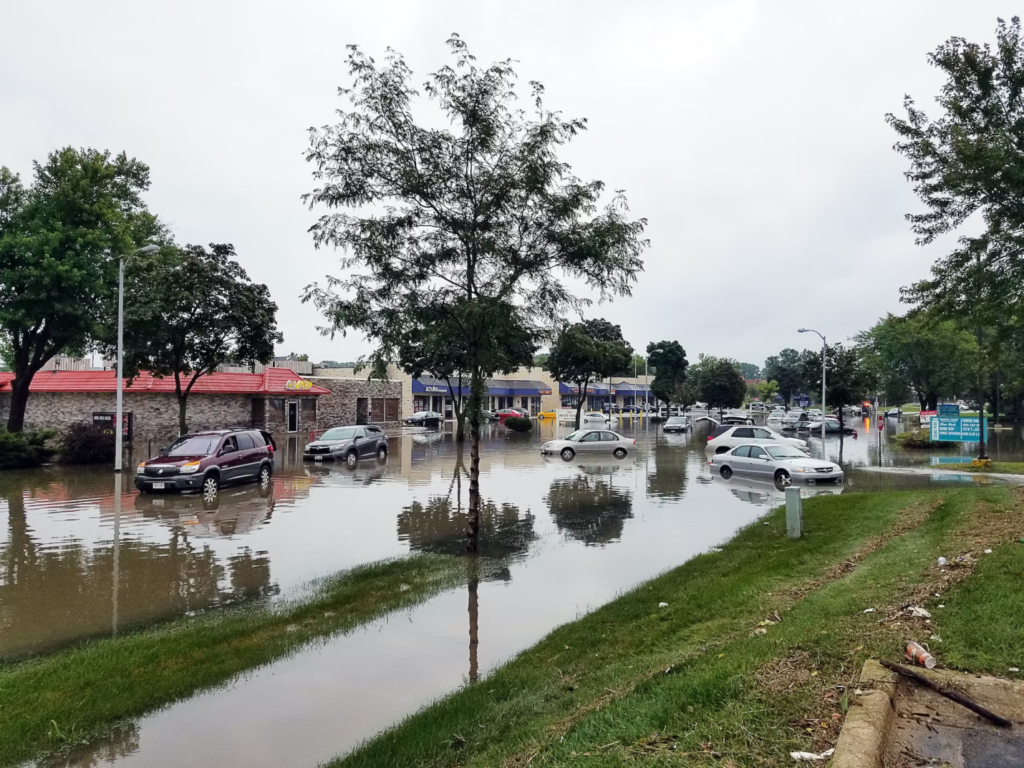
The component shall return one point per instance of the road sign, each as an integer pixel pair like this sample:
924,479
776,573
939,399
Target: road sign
962,430
926,417
949,410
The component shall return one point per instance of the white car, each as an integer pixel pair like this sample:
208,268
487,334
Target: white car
723,438
783,464
776,417
588,442
594,417
793,416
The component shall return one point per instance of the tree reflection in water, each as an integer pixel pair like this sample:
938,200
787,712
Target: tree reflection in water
667,478
588,507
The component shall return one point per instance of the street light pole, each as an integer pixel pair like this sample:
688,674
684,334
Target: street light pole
824,357
118,427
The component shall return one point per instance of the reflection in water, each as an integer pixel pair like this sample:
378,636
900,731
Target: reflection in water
666,475
587,507
119,743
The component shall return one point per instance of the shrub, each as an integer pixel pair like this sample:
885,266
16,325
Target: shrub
517,424
920,439
23,450
87,444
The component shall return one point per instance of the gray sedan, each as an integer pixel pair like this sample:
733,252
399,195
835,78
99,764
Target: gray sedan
782,463
590,441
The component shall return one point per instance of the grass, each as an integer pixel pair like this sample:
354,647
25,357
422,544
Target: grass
999,467
758,650
55,702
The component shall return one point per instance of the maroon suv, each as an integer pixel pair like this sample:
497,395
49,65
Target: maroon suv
207,460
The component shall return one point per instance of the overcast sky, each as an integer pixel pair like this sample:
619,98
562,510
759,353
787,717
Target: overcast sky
751,135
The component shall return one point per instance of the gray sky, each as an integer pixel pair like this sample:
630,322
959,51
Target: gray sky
750,135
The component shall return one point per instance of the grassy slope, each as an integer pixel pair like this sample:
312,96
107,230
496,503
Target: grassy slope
597,688
1001,467
60,700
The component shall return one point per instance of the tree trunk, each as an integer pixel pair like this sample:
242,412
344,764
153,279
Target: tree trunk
581,394
474,621
923,401
182,422
473,516
933,403
19,401
995,414
982,450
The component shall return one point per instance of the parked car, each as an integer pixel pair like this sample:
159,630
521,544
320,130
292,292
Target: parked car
722,438
207,461
735,417
486,415
832,427
425,419
677,424
348,444
784,464
631,409
594,417
505,413
894,413
775,417
793,416
590,441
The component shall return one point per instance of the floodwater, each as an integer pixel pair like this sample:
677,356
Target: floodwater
81,557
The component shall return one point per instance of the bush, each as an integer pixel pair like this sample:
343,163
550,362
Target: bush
23,450
517,424
920,439
86,443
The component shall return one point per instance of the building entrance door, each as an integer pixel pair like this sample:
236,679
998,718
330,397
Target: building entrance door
293,416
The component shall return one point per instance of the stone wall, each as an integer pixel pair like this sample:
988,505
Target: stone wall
155,414
339,407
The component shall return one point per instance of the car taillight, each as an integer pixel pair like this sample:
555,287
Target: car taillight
710,438
634,442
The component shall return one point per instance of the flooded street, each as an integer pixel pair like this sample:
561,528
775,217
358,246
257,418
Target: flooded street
558,540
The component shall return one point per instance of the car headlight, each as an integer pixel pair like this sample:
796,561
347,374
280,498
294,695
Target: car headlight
306,449
803,470
141,469
188,469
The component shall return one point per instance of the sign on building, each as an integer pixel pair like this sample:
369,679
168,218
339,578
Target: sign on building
108,423
962,430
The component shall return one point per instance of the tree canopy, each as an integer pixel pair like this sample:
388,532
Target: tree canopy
847,380
787,370
669,360
461,219
189,310
586,352
750,371
719,381
60,241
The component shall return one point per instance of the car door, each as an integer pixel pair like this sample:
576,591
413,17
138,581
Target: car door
248,458
590,442
739,459
765,435
609,441
741,435
228,458
758,462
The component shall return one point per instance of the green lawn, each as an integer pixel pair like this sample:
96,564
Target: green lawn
998,467
57,701
758,650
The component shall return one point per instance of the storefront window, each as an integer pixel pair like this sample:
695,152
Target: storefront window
534,406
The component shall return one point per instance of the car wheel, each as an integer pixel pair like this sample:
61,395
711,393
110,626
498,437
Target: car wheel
782,478
264,477
211,487
351,459
382,453
567,454
725,472
620,453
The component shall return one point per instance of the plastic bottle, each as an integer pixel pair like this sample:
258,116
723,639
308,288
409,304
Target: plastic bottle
920,656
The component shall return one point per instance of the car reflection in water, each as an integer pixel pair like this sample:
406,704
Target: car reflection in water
366,472
588,506
766,493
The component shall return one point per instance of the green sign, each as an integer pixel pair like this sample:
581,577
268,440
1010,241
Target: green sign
962,430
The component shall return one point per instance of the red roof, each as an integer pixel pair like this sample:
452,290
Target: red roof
273,381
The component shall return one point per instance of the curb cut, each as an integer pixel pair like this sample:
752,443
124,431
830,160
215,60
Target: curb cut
862,740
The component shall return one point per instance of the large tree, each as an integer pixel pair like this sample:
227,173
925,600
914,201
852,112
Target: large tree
785,369
467,217
933,358
968,164
60,241
189,310
586,352
719,382
847,381
669,361
750,371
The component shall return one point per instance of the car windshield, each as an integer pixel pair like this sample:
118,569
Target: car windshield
200,445
677,420
339,433
574,437
785,452
419,414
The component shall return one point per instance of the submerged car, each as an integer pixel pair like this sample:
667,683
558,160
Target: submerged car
425,419
678,424
348,444
722,438
784,464
590,441
206,461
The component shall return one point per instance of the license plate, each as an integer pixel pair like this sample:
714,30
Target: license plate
318,458
158,486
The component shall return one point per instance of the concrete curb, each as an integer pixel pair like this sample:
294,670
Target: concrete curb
862,741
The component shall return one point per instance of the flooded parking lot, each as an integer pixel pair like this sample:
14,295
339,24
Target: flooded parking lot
80,558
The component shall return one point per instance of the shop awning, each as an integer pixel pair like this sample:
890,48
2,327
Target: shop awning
495,387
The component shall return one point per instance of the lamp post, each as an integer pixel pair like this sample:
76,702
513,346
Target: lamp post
118,427
647,386
824,356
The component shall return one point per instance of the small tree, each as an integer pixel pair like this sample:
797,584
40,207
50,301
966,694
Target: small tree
586,352
466,225
188,311
767,390
786,370
670,362
685,394
719,381
60,241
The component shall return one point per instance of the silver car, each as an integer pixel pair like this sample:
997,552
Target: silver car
590,441
348,444
785,464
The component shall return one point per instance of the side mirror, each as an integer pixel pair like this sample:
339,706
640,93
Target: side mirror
226,449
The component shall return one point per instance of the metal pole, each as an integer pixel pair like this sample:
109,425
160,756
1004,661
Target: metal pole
647,392
824,351
120,362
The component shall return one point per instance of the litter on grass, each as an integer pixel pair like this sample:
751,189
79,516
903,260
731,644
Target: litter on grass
810,757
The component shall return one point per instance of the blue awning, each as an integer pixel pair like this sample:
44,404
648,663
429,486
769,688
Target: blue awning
425,385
